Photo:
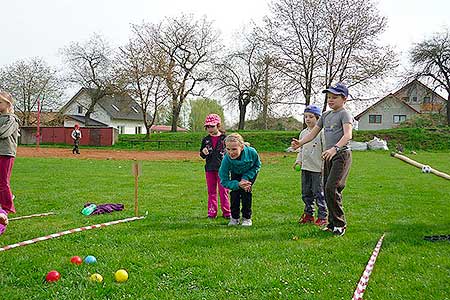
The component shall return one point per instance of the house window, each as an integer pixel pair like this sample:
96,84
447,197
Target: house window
426,100
399,118
138,130
135,110
375,119
414,99
121,129
80,109
115,107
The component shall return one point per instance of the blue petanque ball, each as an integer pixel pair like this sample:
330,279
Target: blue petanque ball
90,259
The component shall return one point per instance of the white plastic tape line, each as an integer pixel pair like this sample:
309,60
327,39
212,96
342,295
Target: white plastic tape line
54,235
364,280
32,216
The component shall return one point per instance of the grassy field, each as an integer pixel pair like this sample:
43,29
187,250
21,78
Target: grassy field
177,253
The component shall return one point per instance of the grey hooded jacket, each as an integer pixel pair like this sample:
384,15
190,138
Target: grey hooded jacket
9,133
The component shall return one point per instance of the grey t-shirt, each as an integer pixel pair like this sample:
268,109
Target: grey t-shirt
332,123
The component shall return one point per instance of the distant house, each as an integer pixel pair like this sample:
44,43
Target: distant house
412,99
117,111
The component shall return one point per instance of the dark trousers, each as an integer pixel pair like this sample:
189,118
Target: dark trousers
334,177
76,144
312,190
237,196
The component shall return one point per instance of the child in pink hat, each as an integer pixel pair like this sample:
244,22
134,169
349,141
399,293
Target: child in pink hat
213,150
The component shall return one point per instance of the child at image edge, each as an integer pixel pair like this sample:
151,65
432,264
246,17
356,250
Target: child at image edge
213,150
310,159
238,172
337,127
9,132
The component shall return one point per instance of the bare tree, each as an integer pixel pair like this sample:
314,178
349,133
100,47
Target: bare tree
189,46
29,81
293,33
240,75
90,67
349,44
138,66
320,42
431,59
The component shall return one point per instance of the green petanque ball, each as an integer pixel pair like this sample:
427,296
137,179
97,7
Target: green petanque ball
297,168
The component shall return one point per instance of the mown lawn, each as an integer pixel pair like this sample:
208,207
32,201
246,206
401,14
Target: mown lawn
177,253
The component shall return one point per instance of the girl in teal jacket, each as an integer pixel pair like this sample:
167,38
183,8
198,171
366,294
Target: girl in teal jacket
238,172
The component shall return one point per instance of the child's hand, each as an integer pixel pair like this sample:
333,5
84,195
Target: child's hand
205,151
329,154
297,163
245,185
3,219
295,143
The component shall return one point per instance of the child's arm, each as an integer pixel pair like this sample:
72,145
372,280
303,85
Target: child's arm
298,161
202,149
251,173
8,127
307,138
224,174
328,154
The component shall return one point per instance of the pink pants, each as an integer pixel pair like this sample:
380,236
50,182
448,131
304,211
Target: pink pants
6,201
212,181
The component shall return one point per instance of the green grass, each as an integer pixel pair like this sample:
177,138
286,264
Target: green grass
177,253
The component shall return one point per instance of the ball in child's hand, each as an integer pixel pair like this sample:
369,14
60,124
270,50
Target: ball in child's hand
297,168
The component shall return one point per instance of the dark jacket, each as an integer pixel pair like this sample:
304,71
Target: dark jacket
215,156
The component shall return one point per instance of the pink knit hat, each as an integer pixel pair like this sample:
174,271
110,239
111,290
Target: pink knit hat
212,119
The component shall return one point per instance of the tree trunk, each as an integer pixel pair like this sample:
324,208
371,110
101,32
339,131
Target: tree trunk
448,109
242,112
175,116
266,96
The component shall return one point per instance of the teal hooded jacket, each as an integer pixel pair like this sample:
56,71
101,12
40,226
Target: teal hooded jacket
248,165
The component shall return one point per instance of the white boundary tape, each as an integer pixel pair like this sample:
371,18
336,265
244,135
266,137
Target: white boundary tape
364,280
32,216
55,235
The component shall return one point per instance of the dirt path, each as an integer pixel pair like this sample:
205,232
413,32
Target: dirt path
116,154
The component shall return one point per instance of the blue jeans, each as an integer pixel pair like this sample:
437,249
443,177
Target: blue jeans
312,190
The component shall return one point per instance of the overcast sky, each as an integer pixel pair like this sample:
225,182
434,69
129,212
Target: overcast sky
40,28
32,28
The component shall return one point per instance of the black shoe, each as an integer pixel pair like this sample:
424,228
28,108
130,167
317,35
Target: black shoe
339,231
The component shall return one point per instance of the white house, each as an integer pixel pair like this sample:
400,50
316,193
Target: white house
412,99
117,111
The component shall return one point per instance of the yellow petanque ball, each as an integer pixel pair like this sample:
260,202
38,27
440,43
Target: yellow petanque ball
121,275
96,277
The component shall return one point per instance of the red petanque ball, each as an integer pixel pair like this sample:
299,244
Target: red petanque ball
76,260
52,276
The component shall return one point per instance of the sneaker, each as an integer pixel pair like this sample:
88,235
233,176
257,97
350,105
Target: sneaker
339,231
321,222
246,222
329,228
233,222
305,218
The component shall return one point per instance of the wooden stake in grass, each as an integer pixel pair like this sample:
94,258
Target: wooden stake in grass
136,170
419,165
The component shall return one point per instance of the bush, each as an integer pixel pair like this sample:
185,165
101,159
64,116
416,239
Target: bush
411,138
